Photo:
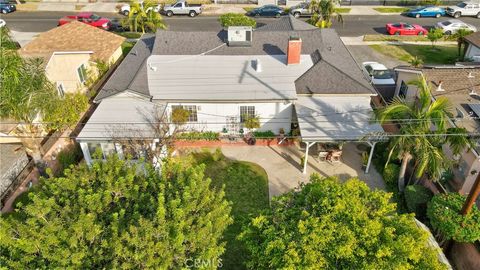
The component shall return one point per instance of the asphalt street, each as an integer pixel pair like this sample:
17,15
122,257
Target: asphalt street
353,25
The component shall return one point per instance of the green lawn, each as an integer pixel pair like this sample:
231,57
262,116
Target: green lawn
126,47
343,10
391,9
246,187
444,54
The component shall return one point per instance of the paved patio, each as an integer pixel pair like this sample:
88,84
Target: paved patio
285,173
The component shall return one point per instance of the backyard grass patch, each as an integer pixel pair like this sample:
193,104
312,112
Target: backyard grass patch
343,10
247,9
126,47
130,35
391,9
438,55
246,187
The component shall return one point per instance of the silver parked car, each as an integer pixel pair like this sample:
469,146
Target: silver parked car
301,9
450,27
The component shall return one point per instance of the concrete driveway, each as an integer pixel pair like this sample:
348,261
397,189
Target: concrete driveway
282,165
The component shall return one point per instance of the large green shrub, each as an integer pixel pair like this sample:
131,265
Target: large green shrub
444,214
70,155
264,134
390,175
236,19
416,198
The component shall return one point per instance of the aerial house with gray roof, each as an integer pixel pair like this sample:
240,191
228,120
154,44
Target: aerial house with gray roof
284,72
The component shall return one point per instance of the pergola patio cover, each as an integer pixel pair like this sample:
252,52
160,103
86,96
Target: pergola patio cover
337,118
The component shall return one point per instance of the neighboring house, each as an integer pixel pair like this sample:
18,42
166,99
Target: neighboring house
287,73
13,161
472,50
70,53
461,85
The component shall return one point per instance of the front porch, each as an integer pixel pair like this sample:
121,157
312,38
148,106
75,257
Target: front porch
284,170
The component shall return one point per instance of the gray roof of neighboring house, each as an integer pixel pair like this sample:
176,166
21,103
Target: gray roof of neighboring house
122,116
287,23
131,74
224,77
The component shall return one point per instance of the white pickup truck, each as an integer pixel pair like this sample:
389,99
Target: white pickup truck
181,7
464,9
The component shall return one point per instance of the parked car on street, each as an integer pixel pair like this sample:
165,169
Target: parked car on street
377,73
405,29
88,18
450,27
267,11
464,9
6,6
426,11
125,9
300,10
182,7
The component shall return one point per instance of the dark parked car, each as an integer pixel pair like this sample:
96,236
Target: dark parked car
7,7
267,11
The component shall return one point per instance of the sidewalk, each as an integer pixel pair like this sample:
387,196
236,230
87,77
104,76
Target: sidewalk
210,9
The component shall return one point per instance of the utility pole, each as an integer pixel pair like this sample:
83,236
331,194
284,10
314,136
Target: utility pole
472,196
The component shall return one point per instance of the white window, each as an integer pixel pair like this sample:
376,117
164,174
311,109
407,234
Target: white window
92,148
60,89
246,112
192,109
82,73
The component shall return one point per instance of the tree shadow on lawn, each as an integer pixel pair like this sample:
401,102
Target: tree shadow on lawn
246,187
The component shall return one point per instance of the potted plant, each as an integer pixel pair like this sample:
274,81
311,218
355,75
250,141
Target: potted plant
251,123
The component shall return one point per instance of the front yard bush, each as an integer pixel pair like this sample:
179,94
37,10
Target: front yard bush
390,176
416,198
444,214
70,155
264,134
197,135
236,19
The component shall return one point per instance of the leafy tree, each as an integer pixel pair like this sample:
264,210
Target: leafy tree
116,215
236,19
434,35
417,140
445,217
65,113
416,62
460,36
416,198
329,225
142,17
323,11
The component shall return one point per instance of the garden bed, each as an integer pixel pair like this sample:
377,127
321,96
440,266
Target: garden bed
227,142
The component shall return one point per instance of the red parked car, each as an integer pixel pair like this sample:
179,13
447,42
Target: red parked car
88,18
405,29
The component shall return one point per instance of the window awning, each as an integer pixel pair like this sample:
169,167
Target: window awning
337,118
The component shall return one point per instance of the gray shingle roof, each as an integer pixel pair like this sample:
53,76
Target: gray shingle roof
131,74
287,23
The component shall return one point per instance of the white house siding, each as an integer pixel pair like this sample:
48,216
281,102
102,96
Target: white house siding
472,51
213,116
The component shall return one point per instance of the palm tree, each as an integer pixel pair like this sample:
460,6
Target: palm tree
25,95
460,36
143,16
416,62
417,139
323,11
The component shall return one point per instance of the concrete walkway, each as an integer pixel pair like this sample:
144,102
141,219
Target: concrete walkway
282,165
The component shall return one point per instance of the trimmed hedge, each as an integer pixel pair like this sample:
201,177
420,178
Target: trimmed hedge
197,135
236,19
416,198
264,134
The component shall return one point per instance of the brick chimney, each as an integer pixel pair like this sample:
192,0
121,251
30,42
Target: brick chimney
294,50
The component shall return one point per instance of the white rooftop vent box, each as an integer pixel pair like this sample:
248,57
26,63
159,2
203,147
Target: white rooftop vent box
239,36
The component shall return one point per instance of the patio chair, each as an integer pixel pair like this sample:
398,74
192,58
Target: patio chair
322,156
335,156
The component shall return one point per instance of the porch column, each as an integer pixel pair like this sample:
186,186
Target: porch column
370,156
86,153
305,161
